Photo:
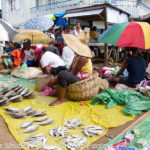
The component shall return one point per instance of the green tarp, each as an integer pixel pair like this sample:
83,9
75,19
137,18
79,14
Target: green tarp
144,129
134,102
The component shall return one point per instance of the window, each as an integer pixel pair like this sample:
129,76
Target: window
37,3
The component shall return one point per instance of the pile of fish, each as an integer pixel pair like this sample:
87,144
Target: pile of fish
74,142
73,124
59,132
15,94
24,92
34,141
93,130
49,147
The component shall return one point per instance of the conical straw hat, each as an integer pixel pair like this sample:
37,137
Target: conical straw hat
78,44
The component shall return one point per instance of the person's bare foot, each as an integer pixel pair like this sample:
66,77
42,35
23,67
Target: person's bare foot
57,102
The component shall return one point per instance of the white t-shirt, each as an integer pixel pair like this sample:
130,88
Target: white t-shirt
67,56
76,33
51,59
28,55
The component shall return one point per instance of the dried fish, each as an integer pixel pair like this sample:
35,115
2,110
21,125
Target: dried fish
29,95
24,91
17,115
9,93
4,102
40,119
40,114
15,87
26,124
47,122
74,142
31,128
59,132
12,109
93,130
32,112
5,90
20,90
35,141
73,124
16,98
27,109
49,147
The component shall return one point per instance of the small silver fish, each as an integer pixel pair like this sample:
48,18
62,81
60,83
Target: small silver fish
40,114
24,91
27,109
31,128
28,94
15,98
49,147
20,90
18,115
32,112
47,122
40,119
12,109
26,124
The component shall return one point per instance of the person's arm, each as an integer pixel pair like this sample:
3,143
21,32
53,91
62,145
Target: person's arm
80,63
123,67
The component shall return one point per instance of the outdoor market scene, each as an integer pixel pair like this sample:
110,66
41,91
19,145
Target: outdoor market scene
75,75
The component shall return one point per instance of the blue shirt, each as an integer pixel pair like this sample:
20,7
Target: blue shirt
8,50
136,68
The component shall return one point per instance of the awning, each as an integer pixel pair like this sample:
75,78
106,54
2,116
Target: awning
84,13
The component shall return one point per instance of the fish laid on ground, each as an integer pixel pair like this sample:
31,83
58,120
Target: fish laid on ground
74,142
29,95
93,130
20,90
40,114
16,98
26,124
24,91
73,124
47,122
12,109
4,101
17,115
49,147
35,141
27,109
59,132
32,112
40,119
31,128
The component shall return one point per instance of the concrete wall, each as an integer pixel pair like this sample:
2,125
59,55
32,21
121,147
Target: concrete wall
146,2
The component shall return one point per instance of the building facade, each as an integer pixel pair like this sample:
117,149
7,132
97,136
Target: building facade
17,12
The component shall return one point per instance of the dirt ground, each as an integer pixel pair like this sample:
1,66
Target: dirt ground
7,141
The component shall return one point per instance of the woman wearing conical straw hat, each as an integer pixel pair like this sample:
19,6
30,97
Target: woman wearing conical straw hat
80,69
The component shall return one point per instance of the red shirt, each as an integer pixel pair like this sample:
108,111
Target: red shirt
22,54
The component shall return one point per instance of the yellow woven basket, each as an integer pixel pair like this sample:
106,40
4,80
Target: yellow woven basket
41,81
85,89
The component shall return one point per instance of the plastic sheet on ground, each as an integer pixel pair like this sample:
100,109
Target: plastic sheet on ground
135,102
90,115
143,129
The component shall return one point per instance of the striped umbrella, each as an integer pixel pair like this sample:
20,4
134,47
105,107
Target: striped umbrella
130,34
39,23
36,36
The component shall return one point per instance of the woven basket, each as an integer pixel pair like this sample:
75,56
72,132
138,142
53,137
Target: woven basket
85,89
41,81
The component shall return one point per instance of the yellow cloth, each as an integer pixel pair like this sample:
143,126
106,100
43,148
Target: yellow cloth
90,115
93,35
87,68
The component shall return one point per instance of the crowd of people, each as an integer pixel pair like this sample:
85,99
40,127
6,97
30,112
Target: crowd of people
68,58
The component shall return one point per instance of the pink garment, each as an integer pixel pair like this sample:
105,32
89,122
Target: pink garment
82,75
47,91
123,87
37,52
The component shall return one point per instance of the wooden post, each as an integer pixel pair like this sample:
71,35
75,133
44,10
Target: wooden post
106,45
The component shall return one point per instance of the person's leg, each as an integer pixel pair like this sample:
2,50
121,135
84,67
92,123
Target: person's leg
52,82
6,63
9,63
64,79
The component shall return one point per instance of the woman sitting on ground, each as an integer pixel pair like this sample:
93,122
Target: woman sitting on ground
80,69
136,67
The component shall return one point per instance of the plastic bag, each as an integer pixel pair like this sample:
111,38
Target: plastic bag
134,102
